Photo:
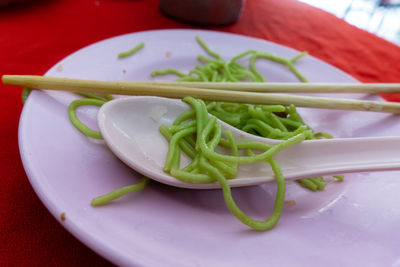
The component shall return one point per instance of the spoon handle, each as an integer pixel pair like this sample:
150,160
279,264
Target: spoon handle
343,155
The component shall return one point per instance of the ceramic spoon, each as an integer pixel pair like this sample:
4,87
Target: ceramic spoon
130,129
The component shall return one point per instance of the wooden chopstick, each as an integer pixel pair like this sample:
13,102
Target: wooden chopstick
272,87
244,86
173,91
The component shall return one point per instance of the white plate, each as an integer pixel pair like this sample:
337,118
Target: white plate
354,223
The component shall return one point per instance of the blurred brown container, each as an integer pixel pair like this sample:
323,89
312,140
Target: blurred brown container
203,12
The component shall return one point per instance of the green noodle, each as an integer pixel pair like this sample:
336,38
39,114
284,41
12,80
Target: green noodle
131,51
25,93
75,120
94,96
270,222
313,183
339,177
105,199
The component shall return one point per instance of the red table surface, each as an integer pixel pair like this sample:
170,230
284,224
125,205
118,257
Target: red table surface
37,34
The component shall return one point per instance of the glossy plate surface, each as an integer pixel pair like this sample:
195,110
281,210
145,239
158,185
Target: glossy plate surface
349,224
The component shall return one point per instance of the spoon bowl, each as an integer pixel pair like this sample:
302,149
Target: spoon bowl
130,128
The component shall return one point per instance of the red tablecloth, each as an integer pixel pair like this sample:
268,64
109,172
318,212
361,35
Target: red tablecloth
36,34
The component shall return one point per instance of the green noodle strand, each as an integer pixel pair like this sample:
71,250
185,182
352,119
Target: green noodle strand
201,114
77,123
107,198
131,51
259,77
323,135
319,182
303,54
25,93
307,183
273,108
246,159
313,183
173,147
168,71
296,72
207,49
278,123
290,123
177,128
186,146
193,178
93,96
239,214
339,177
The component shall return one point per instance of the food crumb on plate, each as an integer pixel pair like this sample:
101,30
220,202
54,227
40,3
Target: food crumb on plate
290,202
62,216
123,71
168,53
59,67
